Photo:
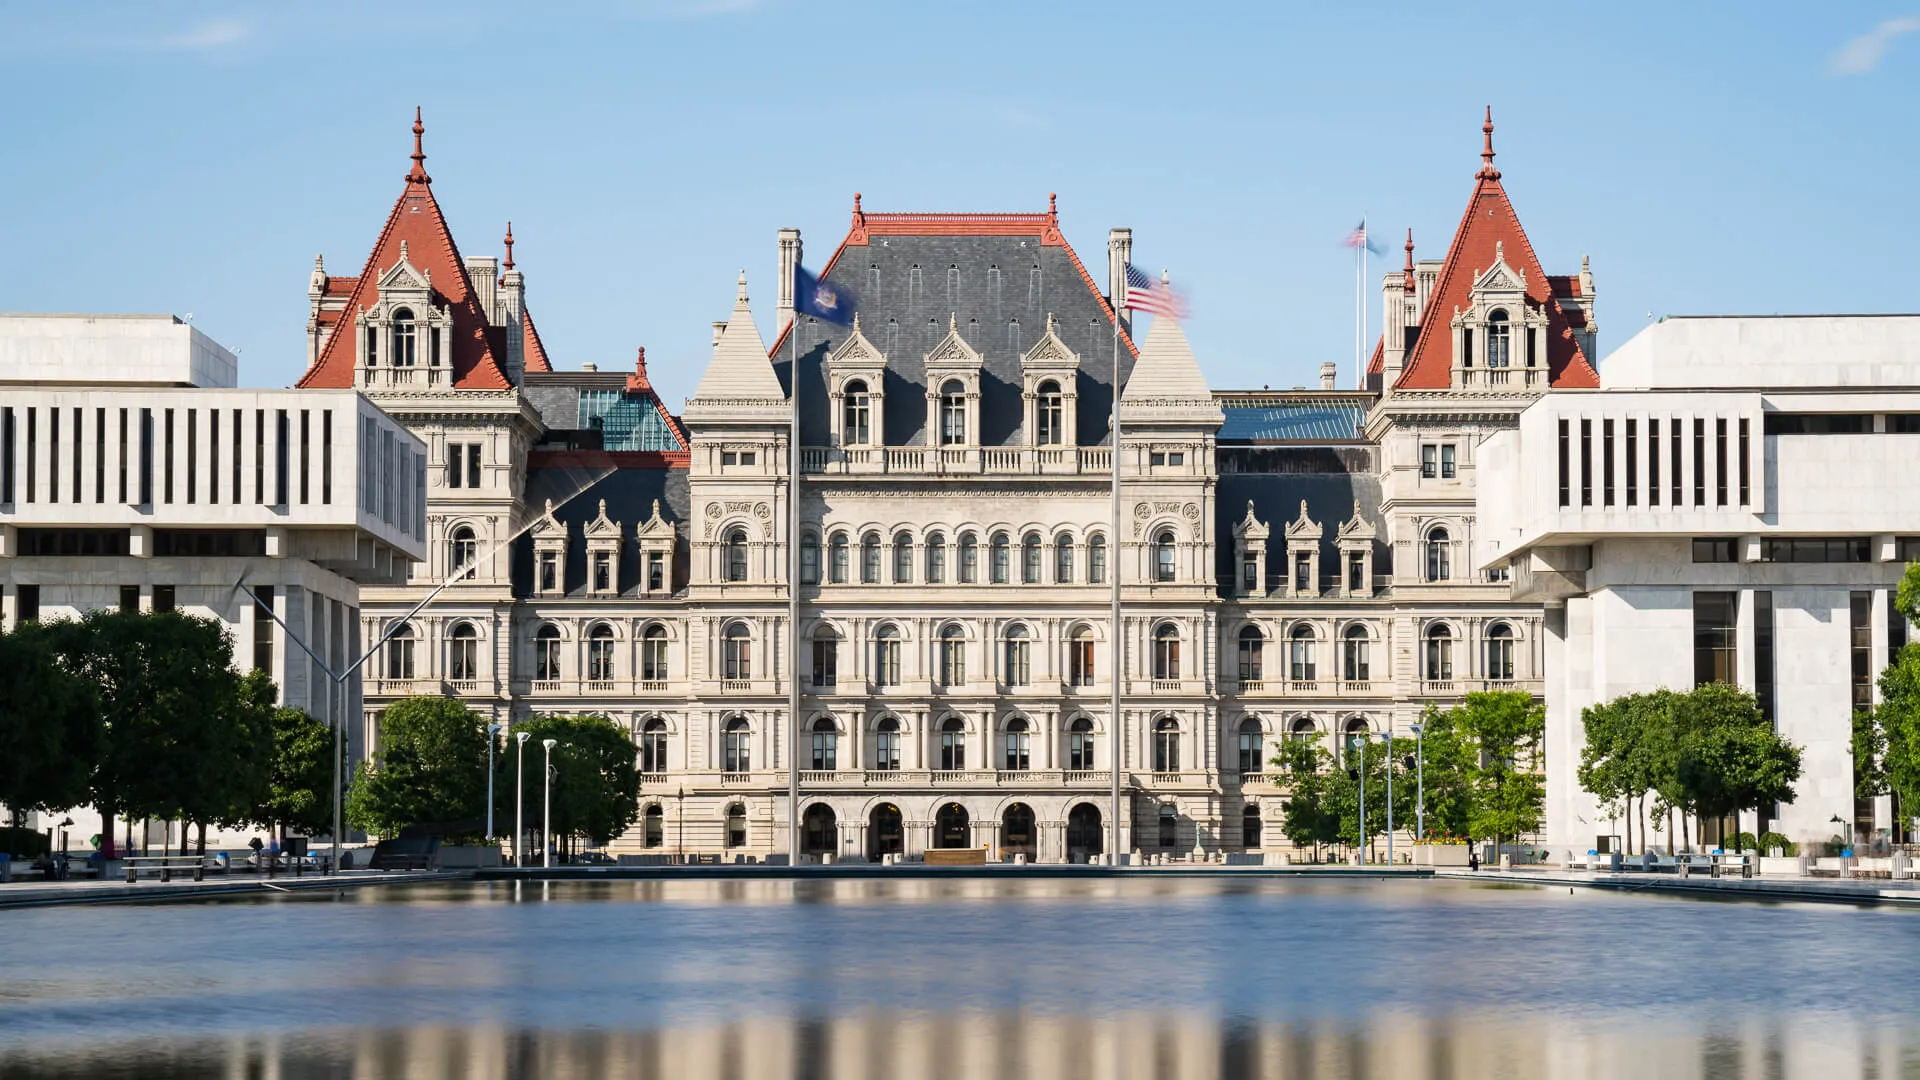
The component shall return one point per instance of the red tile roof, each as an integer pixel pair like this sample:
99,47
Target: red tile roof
533,354
1489,224
417,222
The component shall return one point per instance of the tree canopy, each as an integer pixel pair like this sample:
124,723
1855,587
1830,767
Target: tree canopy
299,794
596,784
430,766
50,732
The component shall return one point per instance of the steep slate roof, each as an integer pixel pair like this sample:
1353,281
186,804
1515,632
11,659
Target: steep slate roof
629,495
1011,272
1330,498
1489,224
416,221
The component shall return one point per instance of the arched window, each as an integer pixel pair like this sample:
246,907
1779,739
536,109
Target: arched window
1166,745
1355,666
600,653
1018,668
809,559
953,656
1500,652
1018,745
886,745
1253,647
736,555
1080,745
902,558
953,745
1002,557
969,559
463,654
936,559
953,413
1096,559
1301,730
404,338
653,654
1499,340
1080,657
400,654
826,746
1439,653
736,653
826,659
1252,748
1356,738
856,428
1163,556
653,746
737,748
736,826
463,550
1169,828
870,559
1300,658
837,559
1050,407
1439,556
1166,652
546,653
1030,559
655,832
1250,827
1063,560
886,656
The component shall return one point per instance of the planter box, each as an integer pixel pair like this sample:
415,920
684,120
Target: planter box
1782,866
956,857
1439,854
464,857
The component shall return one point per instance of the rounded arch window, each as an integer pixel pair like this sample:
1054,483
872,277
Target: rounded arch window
736,653
886,745
837,559
1166,652
936,558
856,419
1356,648
1439,653
1301,730
1169,827
1019,746
1251,649
953,744
1250,826
1300,655
953,655
737,746
600,653
405,338
886,656
1050,413
546,653
1357,732
1063,559
1030,559
736,555
1019,660
655,831
463,653
400,653
1001,569
1252,747
1439,556
653,745
809,558
969,559
1080,745
1166,745
870,559
1164,565
953,413
826,745
463,550
1499,339
902,558
1096,559
1500,652
653,653
736,825
1080,656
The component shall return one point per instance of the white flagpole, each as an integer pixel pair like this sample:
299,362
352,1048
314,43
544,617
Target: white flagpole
1116,564
793,594
1360,359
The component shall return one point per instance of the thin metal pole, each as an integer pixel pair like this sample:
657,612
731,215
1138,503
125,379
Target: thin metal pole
1389,796
1116,647
519,796
793,591
1420,762
546,811
492,730
1366,740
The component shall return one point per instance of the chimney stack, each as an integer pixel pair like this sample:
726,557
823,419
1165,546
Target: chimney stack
1329,376
1119,254
789,259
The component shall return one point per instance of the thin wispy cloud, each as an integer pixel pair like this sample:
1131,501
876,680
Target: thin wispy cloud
212,34
1864,53
100,35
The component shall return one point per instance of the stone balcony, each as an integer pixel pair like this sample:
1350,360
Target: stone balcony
956,461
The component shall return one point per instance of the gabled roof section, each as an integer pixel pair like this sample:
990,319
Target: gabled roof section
416,221
1488,230
739,371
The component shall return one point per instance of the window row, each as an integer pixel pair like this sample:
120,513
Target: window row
1037,560
1706,457
861,423
1014,741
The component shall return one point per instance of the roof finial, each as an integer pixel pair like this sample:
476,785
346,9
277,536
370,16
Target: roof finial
856,322
1487,171
856,204
1164,279
509,243
1408,284
418,174
1053,206
953,322
742,297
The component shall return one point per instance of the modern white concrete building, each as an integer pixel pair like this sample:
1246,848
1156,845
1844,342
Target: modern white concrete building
1734,503
135,474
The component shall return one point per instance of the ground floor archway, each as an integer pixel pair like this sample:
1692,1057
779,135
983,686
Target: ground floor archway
886,832
1019,834
819,831
950,826
1084,834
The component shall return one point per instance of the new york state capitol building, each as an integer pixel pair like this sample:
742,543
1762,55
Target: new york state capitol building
1296,561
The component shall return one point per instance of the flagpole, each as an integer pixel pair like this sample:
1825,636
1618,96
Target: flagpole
1115,647
793,592
1360,357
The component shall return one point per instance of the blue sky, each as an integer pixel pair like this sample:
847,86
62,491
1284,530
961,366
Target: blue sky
1709,157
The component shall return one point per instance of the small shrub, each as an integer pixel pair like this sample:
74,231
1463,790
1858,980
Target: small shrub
23,843
1773,841
1746,841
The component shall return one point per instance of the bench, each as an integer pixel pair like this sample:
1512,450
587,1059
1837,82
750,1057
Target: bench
164,865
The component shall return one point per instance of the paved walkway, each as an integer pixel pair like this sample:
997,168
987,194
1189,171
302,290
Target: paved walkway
18,893
1823,890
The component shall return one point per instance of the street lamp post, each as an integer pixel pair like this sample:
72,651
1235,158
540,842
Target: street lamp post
1364,740
680,817
519,793
493,730
1389,796
1420,779
546,810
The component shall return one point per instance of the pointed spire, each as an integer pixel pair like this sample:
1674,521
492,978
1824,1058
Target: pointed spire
509,243
739,371
638,381
418,175
1487,171
1408,284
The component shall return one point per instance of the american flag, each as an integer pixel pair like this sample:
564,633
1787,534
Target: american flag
1146,294
1358,239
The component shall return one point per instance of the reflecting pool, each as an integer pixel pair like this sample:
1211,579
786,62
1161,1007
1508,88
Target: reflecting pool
961,978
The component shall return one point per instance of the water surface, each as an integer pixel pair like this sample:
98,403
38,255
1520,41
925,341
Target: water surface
963,978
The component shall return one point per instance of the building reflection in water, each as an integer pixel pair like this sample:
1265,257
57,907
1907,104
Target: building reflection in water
1013,1046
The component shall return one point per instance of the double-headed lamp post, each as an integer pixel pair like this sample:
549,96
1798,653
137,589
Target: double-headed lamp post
546,811
1420,780
493,731
519,793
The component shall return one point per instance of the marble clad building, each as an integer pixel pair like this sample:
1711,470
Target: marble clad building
1291,561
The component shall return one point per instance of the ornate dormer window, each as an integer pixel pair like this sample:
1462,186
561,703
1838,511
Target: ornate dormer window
549,555
1355,541
603,554
404,336
1499,341
1250,554
1049,374
1303,555
953,392
856,378
655,538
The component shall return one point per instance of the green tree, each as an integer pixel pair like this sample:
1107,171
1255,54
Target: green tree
1444,772
1507,728
50,731
596,783
430,766
299,793
1624,742
1309,819
1891,758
